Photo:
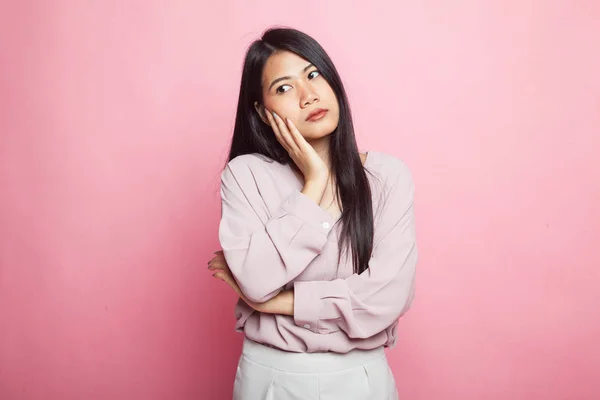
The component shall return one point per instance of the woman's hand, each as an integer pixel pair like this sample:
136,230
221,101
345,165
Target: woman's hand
302,153
223,273
283,303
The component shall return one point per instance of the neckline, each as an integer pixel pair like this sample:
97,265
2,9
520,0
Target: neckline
368,156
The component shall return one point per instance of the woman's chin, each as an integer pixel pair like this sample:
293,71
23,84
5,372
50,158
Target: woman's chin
316,136
318,132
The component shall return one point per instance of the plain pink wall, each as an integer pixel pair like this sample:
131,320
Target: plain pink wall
115,122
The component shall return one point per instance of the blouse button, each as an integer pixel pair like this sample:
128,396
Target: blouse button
307,326
326,225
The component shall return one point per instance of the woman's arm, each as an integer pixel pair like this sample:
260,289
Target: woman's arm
263,253
282,303
361,305
364,305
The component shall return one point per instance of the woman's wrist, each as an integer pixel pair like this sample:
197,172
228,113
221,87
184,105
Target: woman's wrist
315,189
282,304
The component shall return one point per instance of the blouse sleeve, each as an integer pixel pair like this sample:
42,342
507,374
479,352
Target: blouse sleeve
265,251
366,304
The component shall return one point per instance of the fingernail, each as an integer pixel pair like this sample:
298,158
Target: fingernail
277,116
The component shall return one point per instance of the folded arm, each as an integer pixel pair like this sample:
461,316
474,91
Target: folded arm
366,304
265,253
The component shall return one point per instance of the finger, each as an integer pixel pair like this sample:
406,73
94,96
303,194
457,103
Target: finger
218,258
275,128
285,133
280,135
218,265
296,135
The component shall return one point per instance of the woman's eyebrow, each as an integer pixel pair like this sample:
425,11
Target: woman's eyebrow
283,78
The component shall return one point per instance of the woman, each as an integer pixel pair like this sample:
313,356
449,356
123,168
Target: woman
318,240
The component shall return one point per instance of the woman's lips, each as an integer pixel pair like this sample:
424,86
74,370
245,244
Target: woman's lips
317,116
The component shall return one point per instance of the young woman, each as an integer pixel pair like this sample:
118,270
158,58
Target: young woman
317,239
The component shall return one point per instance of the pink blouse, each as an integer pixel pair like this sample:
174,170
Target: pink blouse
274,237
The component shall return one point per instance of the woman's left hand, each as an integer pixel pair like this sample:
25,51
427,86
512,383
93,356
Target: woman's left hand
283,303
219,264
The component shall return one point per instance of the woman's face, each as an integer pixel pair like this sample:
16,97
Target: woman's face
294,88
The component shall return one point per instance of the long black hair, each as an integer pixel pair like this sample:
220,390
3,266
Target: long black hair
252,135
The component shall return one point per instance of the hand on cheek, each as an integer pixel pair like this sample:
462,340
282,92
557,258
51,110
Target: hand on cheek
301,152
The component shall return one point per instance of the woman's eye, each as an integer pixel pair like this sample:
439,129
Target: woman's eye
280,87
311,75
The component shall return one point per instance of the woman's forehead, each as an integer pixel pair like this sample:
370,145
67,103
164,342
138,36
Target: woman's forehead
284,63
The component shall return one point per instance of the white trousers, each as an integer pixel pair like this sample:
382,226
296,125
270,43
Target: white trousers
266,373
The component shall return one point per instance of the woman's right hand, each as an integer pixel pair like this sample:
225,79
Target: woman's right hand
302,153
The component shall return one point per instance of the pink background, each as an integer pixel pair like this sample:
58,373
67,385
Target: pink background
115,122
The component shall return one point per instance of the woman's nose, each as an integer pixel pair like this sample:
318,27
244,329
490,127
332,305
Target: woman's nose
308,96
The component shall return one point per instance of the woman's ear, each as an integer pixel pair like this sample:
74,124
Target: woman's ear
260,109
